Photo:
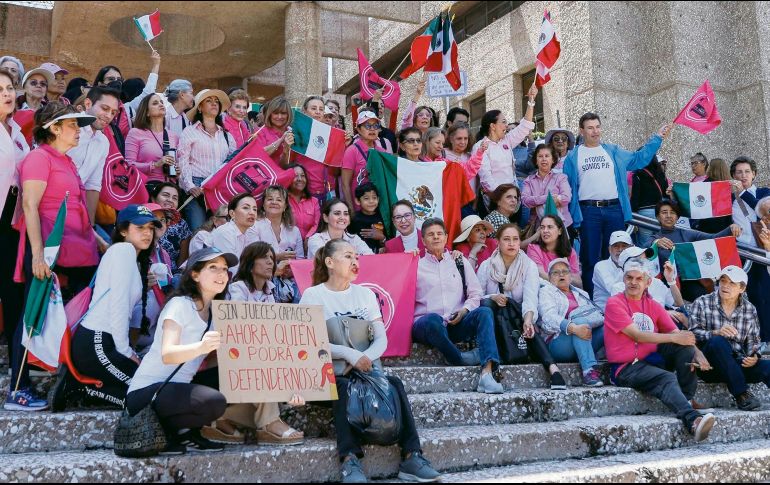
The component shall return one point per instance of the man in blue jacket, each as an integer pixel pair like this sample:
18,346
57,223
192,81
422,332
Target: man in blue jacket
600,203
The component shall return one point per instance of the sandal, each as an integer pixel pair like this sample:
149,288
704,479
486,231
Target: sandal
266,437
212,433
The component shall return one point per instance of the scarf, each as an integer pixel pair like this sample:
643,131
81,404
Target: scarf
513,279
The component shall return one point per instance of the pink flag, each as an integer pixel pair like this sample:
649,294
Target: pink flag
395,292
701,112
548,51
122,183
371,82
251,170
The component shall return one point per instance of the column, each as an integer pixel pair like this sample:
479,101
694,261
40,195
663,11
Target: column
304,72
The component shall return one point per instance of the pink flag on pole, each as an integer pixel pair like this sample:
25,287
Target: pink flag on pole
548,51
395,291
371,81
701,112
251,170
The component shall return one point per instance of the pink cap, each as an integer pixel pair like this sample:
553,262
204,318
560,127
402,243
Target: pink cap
54,68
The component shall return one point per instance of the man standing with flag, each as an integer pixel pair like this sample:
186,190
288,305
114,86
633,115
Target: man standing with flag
600,207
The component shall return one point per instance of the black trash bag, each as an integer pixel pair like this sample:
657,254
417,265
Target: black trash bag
374,408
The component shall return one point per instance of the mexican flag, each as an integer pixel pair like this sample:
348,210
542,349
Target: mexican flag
442,55
705,259
548,51
318,141
435,189
149,25
704,200
420,48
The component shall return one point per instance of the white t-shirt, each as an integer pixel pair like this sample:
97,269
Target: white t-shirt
89,157
152,370
356,301
596,172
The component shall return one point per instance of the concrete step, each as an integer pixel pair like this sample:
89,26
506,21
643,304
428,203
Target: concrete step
449,449
724,463
80,430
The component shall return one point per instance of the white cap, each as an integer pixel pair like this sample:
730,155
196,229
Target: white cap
620,236
736,274
364,116
557,261
83,119
634,252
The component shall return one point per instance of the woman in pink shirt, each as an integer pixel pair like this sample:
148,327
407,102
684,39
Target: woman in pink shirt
235,118
538,185
354,171
421,117
274,137
433,151
553,244
149,145
319,181
303,206
48,176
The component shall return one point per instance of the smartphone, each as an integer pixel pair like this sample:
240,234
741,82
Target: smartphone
453,316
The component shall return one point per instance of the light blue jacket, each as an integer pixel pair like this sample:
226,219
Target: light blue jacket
624,161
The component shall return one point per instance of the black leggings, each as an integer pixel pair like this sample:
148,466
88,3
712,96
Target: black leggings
536,346
183,406
94,355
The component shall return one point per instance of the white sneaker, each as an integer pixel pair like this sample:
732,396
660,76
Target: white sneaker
488,384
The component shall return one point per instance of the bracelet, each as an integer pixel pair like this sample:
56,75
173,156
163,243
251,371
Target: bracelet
671,283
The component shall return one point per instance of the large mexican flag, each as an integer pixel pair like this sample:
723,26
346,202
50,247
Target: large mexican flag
704,200
705,259
435,189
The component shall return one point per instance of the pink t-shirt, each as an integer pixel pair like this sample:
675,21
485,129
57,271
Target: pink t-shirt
268,136
307,213
621,312
543,258
143,148
572,302
238,129
355,160
78,246
316,173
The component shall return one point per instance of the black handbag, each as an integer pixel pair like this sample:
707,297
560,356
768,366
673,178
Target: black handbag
142,435
509,333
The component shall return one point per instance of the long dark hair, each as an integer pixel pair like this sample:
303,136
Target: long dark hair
188,287
251,253
563,247
103,72
327,209
143,258
142,118
306,191
488,119
320,271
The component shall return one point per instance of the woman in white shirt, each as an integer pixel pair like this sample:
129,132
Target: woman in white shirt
510,275
253,284
335,219
234,236
335,269
182,340
101,347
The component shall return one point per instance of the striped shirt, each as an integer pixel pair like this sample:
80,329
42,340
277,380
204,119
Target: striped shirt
200,154
707,316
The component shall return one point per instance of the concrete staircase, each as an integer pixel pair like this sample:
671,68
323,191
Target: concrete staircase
528,434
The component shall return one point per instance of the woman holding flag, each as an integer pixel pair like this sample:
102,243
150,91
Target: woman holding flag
354,171
275,137
48,179
319,180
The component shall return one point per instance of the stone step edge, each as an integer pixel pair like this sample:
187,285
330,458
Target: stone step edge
747,461
464,445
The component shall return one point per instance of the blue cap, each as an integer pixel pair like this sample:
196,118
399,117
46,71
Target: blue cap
138,215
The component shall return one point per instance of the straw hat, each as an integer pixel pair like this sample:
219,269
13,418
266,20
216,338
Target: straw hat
224,100
467,225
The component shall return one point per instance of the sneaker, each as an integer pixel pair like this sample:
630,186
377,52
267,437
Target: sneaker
173,449
592,378
748,402
471,357
488,384
700,407
352,472
702,427
195,443
417,469
24,400
557,382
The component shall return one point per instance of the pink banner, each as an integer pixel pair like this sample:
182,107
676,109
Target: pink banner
395,291
701,112
371,81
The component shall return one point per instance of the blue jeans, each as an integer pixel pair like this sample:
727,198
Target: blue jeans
571,348
645,237
195,212
725,367
598,224
430,330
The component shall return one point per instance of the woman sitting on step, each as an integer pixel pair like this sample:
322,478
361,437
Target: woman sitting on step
335,269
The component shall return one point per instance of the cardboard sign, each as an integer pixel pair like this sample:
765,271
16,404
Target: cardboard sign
272,351
439,87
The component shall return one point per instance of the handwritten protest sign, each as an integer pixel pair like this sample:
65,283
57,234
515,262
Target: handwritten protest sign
272,351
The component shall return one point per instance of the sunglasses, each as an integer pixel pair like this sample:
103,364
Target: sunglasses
35,83
412,141
371,126
560,138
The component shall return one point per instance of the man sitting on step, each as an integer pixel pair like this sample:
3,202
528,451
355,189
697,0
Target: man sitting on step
447,308
644,345
726,327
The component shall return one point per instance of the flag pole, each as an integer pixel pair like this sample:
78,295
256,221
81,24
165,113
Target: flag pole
400,64
151,47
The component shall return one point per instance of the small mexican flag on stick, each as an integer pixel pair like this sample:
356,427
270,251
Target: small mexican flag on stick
704,200
149,26
318,141
705,259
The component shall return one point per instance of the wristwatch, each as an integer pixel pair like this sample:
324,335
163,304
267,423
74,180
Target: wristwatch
531,104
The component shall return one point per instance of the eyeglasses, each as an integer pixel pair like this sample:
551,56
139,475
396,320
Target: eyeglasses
563,272
403,218
413,141
371,126
696,162
110,79
36,83
560,138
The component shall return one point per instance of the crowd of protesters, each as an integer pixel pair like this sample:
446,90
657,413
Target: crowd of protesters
586,287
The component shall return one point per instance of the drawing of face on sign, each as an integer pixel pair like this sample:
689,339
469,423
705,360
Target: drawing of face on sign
387,306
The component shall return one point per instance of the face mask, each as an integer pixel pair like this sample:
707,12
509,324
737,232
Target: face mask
117,85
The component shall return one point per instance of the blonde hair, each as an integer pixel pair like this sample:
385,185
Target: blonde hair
718,170
279,103
240,94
